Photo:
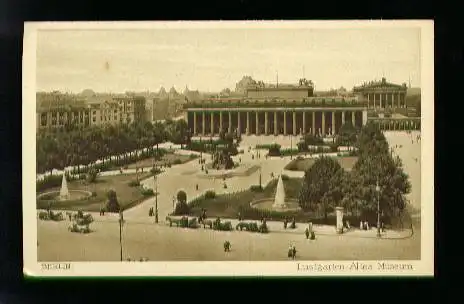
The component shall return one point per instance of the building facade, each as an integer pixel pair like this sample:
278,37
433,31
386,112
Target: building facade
273,111
55,111
382,94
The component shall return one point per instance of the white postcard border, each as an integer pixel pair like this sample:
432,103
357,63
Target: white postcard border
32,267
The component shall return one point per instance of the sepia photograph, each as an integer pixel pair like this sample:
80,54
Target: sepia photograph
254,147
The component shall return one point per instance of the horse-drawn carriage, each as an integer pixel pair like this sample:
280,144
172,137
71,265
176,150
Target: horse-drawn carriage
218,225
80,222
248,226
50,216
182,221
79,227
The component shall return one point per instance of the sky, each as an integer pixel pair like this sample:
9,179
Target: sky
209,59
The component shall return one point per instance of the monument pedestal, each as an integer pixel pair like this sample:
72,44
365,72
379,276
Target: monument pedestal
339,214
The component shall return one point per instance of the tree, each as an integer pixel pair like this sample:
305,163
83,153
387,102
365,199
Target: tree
112,205
181,197
181,206
321,188
347,135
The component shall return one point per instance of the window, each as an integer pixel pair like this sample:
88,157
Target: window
94,119
94,112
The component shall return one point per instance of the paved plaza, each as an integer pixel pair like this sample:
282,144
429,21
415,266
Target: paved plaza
160,242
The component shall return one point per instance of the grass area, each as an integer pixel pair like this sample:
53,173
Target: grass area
304,164
127,196
169,158
229,205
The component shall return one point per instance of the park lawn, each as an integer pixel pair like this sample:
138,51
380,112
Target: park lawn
128,197
347,163
229,205
169,158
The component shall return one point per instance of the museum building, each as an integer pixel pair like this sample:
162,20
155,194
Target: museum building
274,110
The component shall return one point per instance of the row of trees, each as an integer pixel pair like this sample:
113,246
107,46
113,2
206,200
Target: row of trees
326,185
84,146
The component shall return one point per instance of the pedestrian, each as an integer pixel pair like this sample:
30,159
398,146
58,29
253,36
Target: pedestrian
239,216
293,252
285,223
196,186
307,233
290,251
227,246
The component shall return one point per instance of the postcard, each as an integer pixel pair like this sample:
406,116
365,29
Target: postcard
238,148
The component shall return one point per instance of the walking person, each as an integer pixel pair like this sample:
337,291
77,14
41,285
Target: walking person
307,233
293,252
285,223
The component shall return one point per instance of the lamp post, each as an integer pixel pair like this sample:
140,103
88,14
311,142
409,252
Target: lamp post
173,203
156,198
377,189
291,146
260,176
121,221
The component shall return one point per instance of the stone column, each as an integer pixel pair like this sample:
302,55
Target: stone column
368,99
239,128
353,118
374,99
380,100
364,120
333,122
323,123
248,123
275,124
203,125
257,123
304,122
220,121
313,124
294,123
343,118
399,100
285,123
194,123
266,123
230,121
212,123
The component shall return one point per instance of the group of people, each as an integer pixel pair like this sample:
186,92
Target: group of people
293,224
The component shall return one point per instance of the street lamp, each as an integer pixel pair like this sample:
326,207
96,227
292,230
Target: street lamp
291,146
377,189
173,203
259,176
156,198
121,221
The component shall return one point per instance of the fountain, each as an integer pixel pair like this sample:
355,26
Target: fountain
64,195
279,202
279,199
64,192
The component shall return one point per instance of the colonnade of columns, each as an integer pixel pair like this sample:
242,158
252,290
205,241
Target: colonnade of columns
267,122
385,100
398,124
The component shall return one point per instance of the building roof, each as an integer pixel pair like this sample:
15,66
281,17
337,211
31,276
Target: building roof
379,84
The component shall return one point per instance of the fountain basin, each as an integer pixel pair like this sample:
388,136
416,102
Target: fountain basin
268,204
74,195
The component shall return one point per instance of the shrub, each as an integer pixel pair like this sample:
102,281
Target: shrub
192,156
182,208
256,188
155,171
274,150
91,176
147,192
134,183
112,205
177,161
210,194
